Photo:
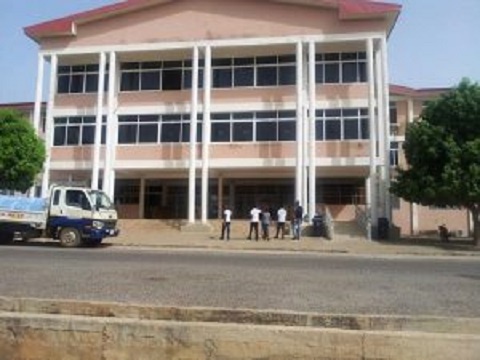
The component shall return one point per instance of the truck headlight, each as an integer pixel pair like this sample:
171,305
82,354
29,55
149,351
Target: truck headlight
98,224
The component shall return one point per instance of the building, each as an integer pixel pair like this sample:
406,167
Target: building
175,107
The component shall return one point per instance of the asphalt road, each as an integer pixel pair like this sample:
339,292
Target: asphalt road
323,283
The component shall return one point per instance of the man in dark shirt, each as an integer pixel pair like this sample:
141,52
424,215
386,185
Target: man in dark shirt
297,220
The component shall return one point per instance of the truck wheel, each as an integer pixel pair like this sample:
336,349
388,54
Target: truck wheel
6,237
70,237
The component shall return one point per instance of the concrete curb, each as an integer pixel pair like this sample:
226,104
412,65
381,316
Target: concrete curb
37,329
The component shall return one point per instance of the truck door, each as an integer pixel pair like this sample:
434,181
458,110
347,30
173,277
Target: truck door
70,207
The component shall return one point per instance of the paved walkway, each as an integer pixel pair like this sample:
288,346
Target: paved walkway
407,246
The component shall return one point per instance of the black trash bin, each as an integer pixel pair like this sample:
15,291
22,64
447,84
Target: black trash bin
318,226
383,228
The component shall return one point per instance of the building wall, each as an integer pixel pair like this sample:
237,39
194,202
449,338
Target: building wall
184,20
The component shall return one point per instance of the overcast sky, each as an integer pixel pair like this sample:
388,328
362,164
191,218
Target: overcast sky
432,45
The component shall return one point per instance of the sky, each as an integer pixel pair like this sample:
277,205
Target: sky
434,43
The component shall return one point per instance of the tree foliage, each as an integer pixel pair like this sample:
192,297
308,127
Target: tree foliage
442,151
22,152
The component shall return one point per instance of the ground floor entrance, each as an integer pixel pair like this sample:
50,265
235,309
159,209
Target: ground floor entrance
168,198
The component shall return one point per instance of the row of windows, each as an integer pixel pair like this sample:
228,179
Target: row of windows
331,124
260,71
76,130
79,79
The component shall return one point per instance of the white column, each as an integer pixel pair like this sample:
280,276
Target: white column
305,127
381,123
413,206
368,196
386,115
206,130
141,203
372,199
37,112
220,196
299,128
312,180
98,125
114,130
193,138
49,124
110,140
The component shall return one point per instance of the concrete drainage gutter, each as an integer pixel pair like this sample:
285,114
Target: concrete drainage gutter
36,329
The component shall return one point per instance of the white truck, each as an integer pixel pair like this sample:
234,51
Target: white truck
74,216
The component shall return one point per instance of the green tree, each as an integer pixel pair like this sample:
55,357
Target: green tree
22,152
442,150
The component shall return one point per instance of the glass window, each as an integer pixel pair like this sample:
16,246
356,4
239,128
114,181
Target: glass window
350,129
63,84
170,133
243,131
267,76
220,132
287,75
73,135
88,135
319,130
92,83
333,129
286,130
364,128
172,80
222,78
130,81
266,131
127,133
349,72
150,80
244,76
59,136
76,85
332,73
148,133
319,73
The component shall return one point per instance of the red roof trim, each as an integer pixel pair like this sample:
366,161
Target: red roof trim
350,8
66,25
408,91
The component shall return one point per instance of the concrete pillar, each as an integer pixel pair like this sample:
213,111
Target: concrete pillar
413,206
220,195
381,124
386,115
98,123
193,138
37,112
49,124
111,119
372,199
141,203
312,141
299,127
206,130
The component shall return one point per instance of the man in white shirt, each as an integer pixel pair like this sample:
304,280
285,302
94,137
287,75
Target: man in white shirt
254,219
281,219
227,218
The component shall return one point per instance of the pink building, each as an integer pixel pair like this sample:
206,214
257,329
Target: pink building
175,107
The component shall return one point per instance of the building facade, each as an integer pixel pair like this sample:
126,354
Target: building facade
176,107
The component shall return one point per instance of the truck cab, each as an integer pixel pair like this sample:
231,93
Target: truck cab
80,215
73,215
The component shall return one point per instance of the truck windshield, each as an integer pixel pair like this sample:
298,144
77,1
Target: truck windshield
100,200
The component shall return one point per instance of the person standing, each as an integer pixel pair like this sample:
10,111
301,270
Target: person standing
227,218
254,219
281,219
266,218
297,220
